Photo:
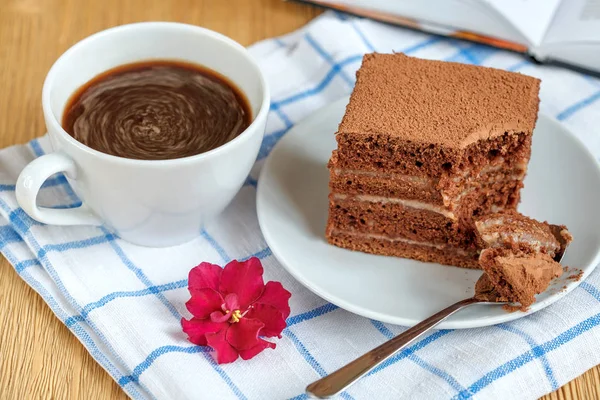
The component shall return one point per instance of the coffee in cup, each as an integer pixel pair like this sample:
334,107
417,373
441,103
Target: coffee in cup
157,110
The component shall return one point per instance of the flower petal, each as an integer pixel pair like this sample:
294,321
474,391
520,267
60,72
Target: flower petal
244,279
219,316
205,275
263,344
276,296
270,316
231,302
197,329
223,351
243,335
203,302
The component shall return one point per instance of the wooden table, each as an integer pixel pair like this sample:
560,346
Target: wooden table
39,357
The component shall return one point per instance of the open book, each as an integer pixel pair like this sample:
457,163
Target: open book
563,31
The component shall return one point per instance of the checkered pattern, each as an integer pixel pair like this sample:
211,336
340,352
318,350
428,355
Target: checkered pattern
124,303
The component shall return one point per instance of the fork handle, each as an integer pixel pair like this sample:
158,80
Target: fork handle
339,380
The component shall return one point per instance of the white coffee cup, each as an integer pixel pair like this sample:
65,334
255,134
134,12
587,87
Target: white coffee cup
147,202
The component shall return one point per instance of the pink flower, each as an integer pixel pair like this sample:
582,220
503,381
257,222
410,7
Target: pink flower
233,309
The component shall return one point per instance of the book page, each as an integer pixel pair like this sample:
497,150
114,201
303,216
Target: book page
531,17
461,15
575,21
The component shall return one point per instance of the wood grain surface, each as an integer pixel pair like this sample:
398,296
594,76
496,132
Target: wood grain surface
39,357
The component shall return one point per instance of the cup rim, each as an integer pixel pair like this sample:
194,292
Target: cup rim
57,126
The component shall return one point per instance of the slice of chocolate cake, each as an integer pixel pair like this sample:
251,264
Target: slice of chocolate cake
515,276
424,146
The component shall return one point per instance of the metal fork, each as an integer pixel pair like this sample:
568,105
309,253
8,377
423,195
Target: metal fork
341,379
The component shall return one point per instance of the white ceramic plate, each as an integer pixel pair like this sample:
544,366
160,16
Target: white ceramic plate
562,186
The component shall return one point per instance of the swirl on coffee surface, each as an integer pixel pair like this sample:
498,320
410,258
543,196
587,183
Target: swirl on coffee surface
157,110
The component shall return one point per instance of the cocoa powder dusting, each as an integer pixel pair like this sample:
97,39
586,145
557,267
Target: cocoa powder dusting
426,101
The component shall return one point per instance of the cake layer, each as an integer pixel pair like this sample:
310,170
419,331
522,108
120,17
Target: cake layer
355,182
385,153
441,103
395,220
378,244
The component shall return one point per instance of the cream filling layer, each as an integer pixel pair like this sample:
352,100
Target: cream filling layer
418,205
497,239
411,242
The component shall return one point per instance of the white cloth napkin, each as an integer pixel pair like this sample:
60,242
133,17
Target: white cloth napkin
124,302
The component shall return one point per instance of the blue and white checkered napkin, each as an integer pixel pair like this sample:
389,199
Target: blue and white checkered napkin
124,302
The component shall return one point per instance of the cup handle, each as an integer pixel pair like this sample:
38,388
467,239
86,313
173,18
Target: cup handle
30,181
